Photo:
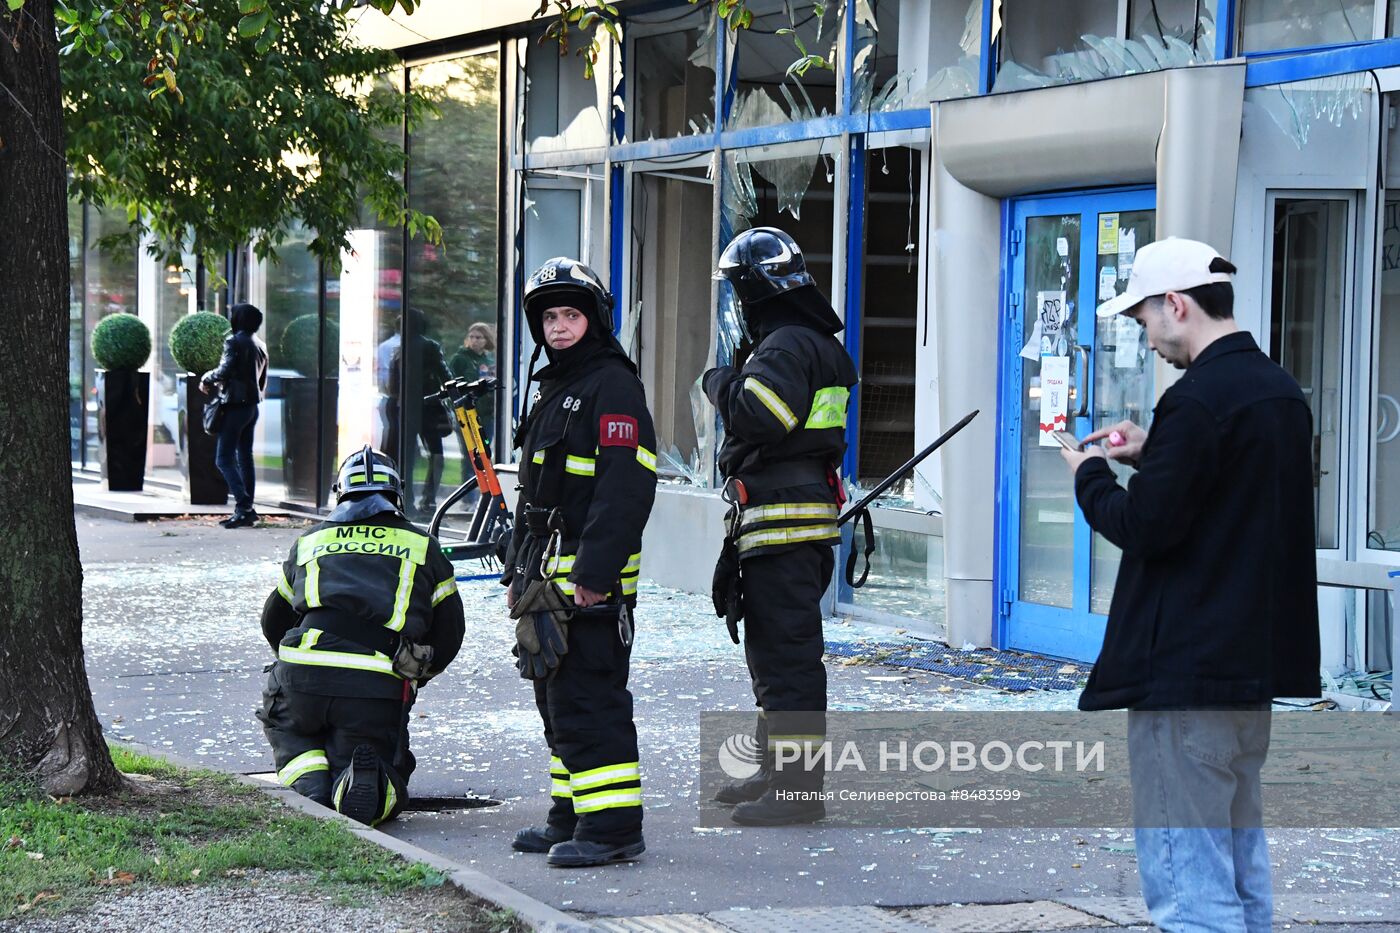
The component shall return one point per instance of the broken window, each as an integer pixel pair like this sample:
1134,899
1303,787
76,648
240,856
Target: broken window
1268,25
1046,43
908,54
562,108
671,73
783,65
668,325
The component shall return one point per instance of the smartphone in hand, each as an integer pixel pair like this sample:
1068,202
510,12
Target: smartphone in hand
1067,440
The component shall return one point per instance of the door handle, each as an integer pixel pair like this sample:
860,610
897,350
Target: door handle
1082,352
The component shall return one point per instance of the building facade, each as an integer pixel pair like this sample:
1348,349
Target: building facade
968,178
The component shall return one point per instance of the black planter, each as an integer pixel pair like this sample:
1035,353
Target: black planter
123,396
204,484
302,432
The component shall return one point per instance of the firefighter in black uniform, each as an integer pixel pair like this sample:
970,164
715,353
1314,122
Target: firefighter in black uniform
366,612
587,482
784,416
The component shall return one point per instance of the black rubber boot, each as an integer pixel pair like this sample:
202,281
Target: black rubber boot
744,791
579,853
535,839
359,798
768,810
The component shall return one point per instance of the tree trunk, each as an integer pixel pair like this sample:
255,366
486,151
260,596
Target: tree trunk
48,725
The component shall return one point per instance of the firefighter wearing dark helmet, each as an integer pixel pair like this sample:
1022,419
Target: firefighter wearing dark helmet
365,613
587,482
784,416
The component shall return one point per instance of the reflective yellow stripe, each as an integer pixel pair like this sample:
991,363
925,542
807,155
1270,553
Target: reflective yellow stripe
401,596
629,587
829,408
302,765
538,457
356,479
772,402
556,766
444,589
610,774
363,539
608,799
774,536
646,458
313,584
305,653
634,565
284,588
789,510
391,797
560,788
580,466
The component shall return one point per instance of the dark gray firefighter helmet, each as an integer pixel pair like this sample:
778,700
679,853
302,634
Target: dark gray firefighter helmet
562,281
368,470
763,262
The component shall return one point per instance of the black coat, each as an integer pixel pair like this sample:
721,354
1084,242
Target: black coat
588,449
242,370
1216,598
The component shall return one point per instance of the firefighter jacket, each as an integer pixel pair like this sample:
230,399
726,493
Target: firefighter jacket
366,574
587,449
784,418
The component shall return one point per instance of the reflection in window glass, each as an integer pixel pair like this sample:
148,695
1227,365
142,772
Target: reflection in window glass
452,176
672,76
285,441
109,288
1383,447
1042,44
1307,290
671,214
1266,25
765,92
175,298
77,342
933,54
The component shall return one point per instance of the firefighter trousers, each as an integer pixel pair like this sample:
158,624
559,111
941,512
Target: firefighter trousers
783,647
313,738
596,787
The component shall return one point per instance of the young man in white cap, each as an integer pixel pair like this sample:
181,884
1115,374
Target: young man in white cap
1215,606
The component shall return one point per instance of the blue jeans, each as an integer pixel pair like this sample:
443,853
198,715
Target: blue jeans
1198,814
234,454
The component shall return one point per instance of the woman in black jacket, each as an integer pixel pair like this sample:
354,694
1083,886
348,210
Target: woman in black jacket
242,380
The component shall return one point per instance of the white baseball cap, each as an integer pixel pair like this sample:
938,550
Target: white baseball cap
1170,265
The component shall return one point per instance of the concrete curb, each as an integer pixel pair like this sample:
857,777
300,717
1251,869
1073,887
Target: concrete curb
536,914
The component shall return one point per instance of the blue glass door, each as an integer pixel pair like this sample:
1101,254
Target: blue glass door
1062,369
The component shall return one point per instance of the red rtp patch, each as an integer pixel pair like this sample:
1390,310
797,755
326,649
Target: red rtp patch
617,431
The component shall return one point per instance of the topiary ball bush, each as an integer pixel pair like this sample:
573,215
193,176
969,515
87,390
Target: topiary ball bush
121,341
197,341
297,348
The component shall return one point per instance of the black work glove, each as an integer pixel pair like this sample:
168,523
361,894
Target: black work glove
725,589
541,641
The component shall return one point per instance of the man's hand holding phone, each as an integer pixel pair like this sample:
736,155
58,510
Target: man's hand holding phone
1074,451
1124,441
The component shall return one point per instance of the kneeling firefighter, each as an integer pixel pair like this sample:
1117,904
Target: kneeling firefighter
587,482
367,611
784,415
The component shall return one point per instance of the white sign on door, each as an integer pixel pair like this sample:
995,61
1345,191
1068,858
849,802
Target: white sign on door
1054,398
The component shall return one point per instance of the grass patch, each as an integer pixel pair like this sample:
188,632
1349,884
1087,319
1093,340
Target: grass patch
185,827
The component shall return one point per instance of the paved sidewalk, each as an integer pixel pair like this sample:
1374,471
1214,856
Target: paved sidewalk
155,501
176,658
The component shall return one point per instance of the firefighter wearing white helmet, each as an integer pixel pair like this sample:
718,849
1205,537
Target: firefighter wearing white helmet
366,612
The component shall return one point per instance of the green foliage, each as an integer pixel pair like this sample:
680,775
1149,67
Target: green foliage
291,123
57,854
197,341
298,346
121,341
